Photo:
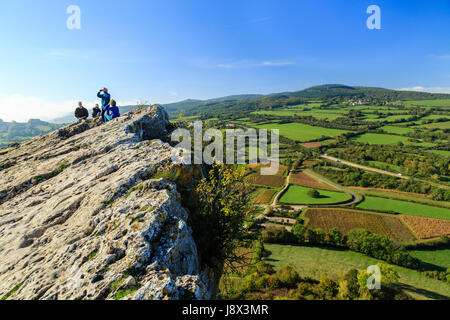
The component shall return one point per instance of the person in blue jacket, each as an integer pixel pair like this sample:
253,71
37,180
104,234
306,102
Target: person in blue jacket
111,111
106,98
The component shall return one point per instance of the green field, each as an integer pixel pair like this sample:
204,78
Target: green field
302,132
387,139
397,130
436,125
313,262
441,152
426,103
437,259
395,118
298,195
318,114
374,138
405,197
414,209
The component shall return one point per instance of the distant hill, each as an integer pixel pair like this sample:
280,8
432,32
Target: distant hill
335,90
192,103
17,132
334,93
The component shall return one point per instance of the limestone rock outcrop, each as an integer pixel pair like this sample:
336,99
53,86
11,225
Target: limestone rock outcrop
82,218
153,125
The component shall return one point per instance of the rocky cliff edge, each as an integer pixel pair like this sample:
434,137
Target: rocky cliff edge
80,218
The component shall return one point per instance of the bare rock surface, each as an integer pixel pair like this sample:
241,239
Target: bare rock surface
80,218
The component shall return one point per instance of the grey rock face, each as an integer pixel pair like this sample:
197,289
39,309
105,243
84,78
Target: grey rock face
153,125
79,218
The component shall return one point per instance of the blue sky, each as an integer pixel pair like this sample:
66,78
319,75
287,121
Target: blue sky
165,51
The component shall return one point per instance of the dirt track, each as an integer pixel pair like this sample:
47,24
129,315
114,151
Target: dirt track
351,164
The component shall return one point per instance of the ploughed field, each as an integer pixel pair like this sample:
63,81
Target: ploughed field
276,181
346,220
305,180
402,228
427,228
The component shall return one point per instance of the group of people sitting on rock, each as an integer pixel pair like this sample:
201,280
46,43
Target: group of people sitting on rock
108,111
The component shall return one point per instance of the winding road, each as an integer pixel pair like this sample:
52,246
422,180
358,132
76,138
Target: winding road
355,198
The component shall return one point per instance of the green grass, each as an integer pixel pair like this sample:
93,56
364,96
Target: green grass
387,139
436,125
437,259
441,152
123,293
313,262
426,103
397,130
395,118
409,208
374,138
386,166
109,203
10,293
318,114
92,255
406,197
302,132
421,144
298,195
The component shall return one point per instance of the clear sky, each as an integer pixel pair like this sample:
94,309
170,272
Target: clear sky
168,50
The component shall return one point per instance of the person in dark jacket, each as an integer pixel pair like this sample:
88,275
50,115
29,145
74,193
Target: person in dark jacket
96,112
81,113
111,111
106,98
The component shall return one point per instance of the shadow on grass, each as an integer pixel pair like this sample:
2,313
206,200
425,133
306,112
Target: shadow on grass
423,292
307,245
431,267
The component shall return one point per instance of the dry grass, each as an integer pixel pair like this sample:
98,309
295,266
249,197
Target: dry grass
392,191
265,197
276,181
426,228
345,220
311,145
309,163
305,180
270,181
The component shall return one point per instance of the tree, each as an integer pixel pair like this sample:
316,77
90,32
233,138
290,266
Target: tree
349,287
219,225
313,193
388,273
299,232
315,236
334,237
